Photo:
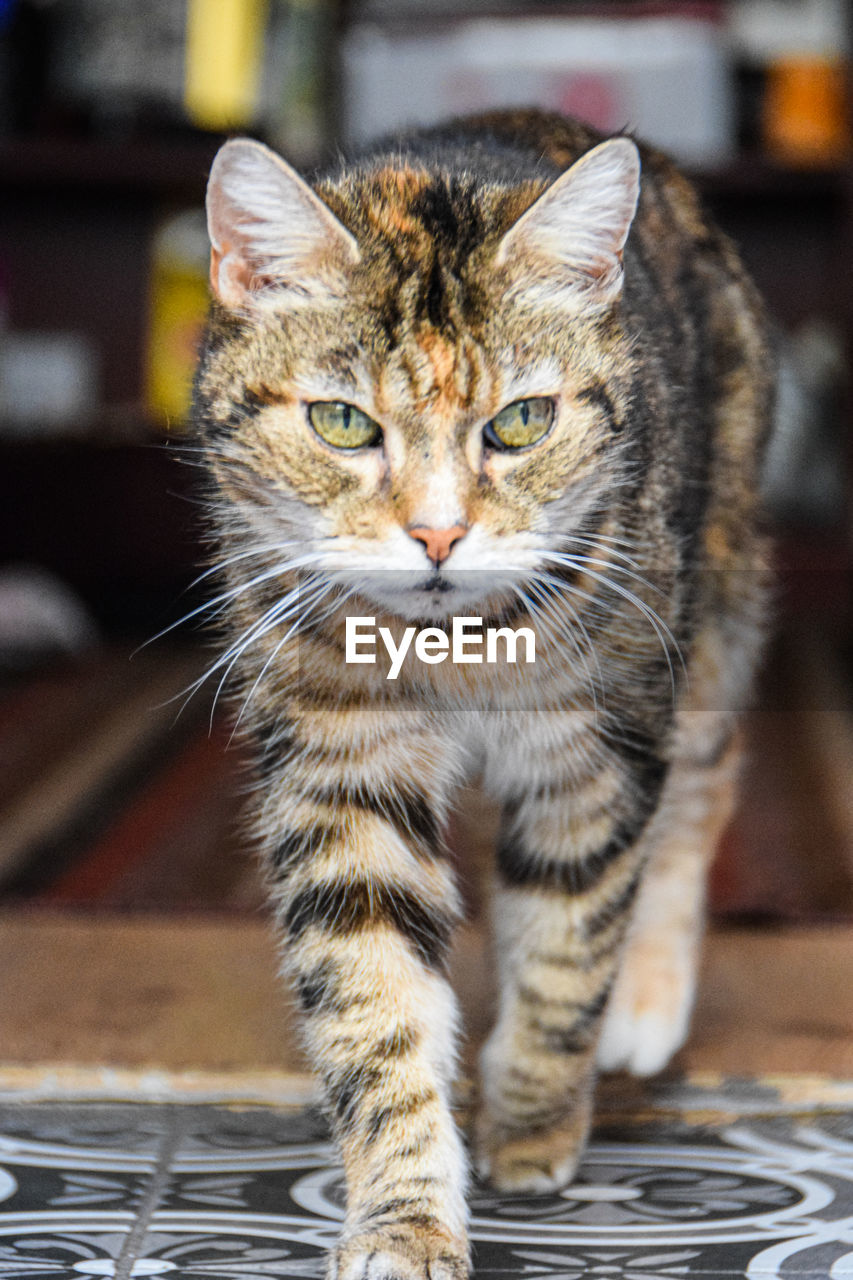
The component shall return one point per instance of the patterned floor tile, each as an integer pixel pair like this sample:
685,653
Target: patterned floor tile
134,1132
220,1252
235,1193
38,1250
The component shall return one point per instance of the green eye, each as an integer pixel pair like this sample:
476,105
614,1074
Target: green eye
521,423
343,425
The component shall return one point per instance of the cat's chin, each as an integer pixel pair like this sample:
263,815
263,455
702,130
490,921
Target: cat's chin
440,611
437,608
437,600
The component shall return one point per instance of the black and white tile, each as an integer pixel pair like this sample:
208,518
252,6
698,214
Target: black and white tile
227,1193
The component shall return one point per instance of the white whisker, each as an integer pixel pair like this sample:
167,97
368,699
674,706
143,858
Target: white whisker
664,635
275,613
600,542
218,604
280,612
546,608
574,561
262,550
319,595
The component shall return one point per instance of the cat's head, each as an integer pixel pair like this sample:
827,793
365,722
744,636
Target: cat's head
409,379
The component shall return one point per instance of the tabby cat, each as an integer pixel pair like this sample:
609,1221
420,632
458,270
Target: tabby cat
477,372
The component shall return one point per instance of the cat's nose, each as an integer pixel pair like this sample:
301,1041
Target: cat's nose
438,542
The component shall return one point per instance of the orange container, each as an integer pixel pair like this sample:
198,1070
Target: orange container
806,119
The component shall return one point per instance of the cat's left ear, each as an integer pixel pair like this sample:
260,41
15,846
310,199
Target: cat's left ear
567,247
272,238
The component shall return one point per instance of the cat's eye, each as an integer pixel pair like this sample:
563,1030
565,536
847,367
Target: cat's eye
342,425
521,423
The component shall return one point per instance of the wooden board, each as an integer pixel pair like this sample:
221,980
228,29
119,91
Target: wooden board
184,993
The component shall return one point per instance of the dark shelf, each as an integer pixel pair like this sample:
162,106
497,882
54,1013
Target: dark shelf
759,177
120,524
178,167
105,428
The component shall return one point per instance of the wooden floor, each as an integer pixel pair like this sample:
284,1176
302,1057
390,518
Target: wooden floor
199,993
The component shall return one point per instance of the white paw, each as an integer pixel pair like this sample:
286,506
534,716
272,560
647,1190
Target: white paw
642,1045
387,1264
400,1252
647,1020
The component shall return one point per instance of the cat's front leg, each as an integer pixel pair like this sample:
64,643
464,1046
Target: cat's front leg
569,867
367,903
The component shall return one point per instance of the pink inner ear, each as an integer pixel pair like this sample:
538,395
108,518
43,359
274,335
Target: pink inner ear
602,266
231,276
215,264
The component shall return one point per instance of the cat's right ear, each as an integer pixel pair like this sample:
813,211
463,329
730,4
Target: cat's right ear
272,238
566,249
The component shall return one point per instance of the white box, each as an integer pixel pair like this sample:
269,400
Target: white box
668,79
47,381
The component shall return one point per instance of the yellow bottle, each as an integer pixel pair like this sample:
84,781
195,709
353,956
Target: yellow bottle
179,300
224,51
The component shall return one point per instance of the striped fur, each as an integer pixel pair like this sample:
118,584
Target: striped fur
411,283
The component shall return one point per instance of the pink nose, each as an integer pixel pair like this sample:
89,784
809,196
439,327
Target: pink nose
438,542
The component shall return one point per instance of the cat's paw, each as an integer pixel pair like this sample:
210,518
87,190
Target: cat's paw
400,1251
544,1160
648,1014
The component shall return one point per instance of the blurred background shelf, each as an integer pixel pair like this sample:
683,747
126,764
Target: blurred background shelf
114,518
168,168
121,425
177,168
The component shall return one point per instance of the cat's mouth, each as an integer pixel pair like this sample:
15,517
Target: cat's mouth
438,583
428,600
436,597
